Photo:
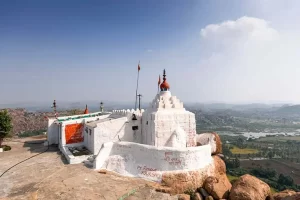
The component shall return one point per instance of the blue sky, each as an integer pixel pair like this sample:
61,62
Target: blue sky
89,50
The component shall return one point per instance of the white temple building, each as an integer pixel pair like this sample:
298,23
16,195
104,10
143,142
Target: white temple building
162,138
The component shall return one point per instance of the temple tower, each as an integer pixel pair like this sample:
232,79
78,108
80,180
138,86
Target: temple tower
166,122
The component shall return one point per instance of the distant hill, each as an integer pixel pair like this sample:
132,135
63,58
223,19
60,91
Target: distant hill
289,110
233,107
61,106
26,121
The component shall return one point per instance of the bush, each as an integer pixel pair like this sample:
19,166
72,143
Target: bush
32,133
190,192
6,148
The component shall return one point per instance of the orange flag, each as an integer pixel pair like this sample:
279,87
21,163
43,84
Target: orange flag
139,68
159,80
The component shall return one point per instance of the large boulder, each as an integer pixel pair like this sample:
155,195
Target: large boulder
184,197
287,195
198,196
248,187
213,139
218,166
218,187
203,192
179,182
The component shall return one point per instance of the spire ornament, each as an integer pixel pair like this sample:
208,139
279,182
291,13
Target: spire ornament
86,111
165,85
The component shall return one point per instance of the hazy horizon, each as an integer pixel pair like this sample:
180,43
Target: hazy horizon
236,52
95,102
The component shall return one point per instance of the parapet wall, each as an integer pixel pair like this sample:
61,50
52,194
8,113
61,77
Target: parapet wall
149,162
127,112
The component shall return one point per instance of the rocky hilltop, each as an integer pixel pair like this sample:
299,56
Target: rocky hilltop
24,121
214,184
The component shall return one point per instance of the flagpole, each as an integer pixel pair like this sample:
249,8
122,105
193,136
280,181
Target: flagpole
158,84
137,85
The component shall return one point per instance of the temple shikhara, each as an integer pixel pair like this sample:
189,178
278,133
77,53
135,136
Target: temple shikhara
141,143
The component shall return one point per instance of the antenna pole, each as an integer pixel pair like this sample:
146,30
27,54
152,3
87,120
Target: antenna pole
54,108
139,101
137,85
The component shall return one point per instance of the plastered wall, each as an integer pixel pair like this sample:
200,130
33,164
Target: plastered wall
52,132
165,121
138,160
158,127
53,129
119,129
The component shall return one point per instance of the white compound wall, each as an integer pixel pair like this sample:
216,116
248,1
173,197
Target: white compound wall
149,162
118,127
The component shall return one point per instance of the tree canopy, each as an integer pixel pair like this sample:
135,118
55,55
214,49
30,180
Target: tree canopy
5,125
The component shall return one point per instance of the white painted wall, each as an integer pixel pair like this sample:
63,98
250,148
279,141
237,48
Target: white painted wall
115,129
52,132
82,120
164,115
88,138
146,161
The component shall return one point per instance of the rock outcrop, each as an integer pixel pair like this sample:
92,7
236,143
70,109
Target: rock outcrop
181,181
218,187
198,196
183,197
211,183
287,195
23,121
248,187
210,138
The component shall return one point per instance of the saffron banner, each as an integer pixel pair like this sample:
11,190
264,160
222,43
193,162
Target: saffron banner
74,133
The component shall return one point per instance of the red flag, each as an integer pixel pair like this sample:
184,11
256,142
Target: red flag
159,80
139,68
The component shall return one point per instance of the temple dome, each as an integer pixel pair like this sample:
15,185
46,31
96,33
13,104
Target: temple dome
164,86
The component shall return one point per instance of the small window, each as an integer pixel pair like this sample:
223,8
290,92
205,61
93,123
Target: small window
90,131
147,123
135,128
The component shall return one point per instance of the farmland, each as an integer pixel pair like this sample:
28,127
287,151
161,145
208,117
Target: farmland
279,139
237,150
277,162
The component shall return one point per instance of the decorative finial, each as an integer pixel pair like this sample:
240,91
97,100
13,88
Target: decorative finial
164,86
86,111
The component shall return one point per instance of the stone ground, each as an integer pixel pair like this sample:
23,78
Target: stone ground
47,176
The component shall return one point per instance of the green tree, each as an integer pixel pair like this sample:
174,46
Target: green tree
236,162
270,154
5,125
